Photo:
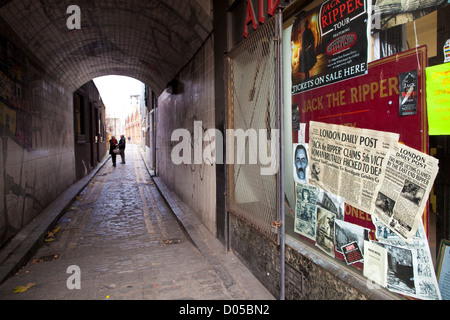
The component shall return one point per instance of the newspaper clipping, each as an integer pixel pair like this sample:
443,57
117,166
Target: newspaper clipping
347,161
375,263
405,183
410,268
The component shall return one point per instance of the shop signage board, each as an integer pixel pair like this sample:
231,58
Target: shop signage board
329,44
254,18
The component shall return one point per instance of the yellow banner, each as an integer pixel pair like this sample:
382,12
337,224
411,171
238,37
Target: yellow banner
438,99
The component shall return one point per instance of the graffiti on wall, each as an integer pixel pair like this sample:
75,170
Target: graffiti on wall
15,121
15,126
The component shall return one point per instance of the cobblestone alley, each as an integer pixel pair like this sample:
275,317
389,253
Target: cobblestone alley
128,244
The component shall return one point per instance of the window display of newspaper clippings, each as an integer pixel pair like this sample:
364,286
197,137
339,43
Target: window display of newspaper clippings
347,161
410,267
405,183
319,210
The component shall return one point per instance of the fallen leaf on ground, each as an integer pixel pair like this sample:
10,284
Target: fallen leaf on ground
172,241
22,289
50,234
46,258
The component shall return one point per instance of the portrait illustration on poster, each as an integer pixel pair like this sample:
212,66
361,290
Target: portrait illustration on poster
301,162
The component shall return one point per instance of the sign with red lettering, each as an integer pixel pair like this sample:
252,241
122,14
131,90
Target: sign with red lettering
376,100
252,18
329,44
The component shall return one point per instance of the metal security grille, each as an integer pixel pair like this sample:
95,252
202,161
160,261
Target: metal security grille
251,83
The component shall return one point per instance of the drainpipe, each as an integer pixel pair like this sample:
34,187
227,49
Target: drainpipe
280,175
155,132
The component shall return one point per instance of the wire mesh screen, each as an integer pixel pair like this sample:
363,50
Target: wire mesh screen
251,112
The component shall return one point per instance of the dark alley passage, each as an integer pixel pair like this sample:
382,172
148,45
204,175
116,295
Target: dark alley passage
129,245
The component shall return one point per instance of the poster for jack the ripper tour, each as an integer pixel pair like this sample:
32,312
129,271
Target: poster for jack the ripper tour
329,44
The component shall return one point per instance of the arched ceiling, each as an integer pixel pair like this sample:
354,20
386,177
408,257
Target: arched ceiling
150,40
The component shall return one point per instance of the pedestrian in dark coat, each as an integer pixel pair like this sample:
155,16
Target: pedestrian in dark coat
122,145
113,145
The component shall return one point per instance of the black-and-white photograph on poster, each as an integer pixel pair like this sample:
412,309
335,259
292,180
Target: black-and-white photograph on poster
329,44
331,202
301,162
400,276
346,233
325,230
305,210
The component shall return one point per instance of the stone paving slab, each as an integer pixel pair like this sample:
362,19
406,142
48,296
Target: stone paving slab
129,245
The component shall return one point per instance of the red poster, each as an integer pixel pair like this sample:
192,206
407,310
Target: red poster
390,97
329,44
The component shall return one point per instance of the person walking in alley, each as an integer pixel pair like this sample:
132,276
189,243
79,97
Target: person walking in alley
112,146
122,143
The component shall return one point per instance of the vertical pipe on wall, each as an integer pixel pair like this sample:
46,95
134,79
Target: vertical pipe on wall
155,130
280,120
226,126
225,166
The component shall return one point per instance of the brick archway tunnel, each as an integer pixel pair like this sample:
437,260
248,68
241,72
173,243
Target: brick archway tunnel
149,40
43,62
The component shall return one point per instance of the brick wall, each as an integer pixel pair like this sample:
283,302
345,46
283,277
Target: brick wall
309,275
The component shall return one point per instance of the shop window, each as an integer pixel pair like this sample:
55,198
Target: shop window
387,94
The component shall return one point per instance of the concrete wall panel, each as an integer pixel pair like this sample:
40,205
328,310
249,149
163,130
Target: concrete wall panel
36,138
192,101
